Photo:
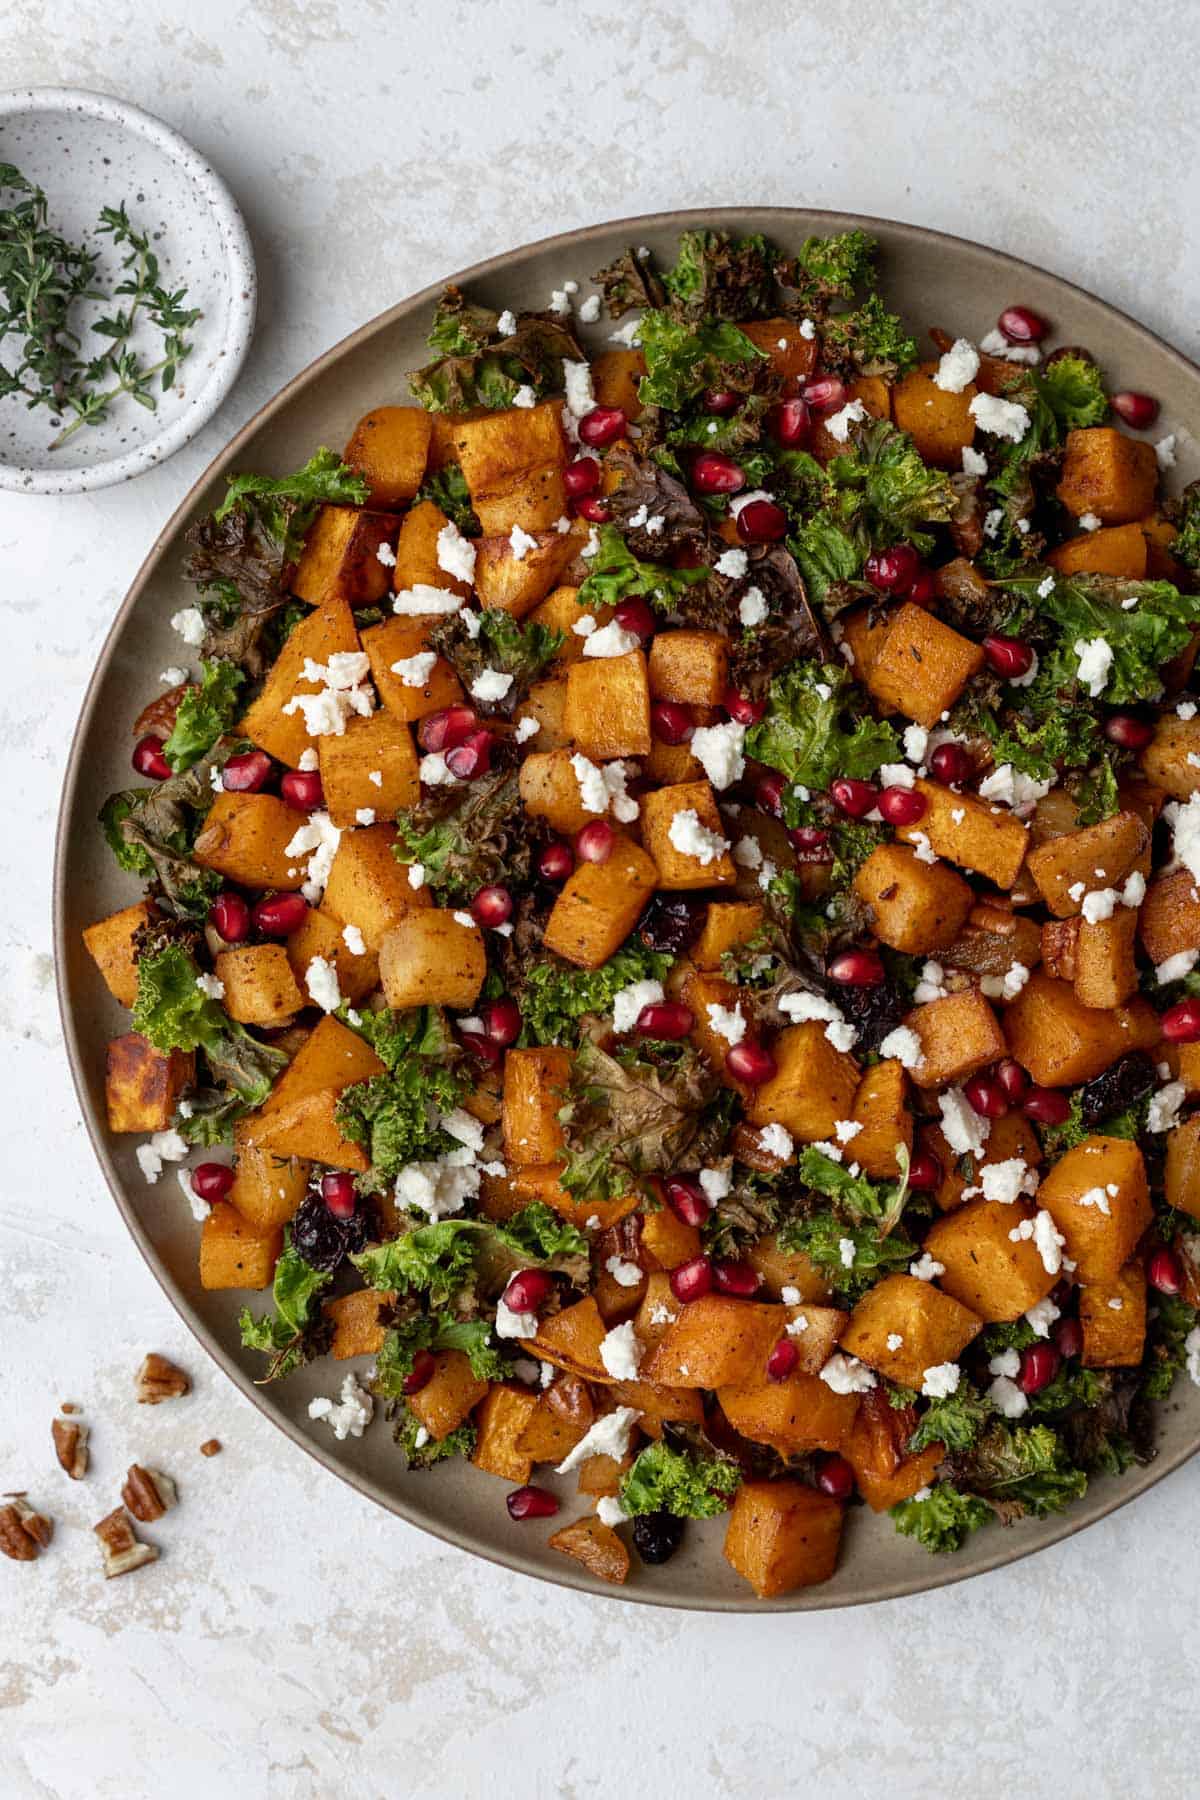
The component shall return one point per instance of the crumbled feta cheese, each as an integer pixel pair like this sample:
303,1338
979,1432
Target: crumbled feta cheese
200,1209
524,396
600,787
506,324
1039,1318
560,302
791,1296
994,343
609,1510
1095,660
714,1184
973,461
691,838
963,1128
940,1381
718,750
1090,521
439,1188
1007,1397
922,848
414,671
386,555
346,691
932,984
318,840
163,1147
611,640
926,1268
958,367
620,1349
747,853
212,985
527,728
776,1140
189,623
894,1341
846,1375
510,1324
490,685
472,622
174,676
352,937
521,543
727,1022
628,1003
1191,1346
1164,451
1165,1105
838,424
752,608
609,1436
320,978
1000,418
897,775
584,625
1004,1181
589,310
1174,968
916,743
1101,904
625,1274
416,875
627,335
1012,788
733,562
846,1252
347,1417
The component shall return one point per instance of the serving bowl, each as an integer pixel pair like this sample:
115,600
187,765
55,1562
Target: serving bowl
934,280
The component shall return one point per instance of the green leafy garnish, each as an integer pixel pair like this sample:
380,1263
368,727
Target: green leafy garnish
719,277
284,506
682,1482
173,1011
1145,624
478,366
683,359
852,1256
1021,1470
284,1335
616,574
556,997
447,488
814,728
435,1331
943,1520
395,1117
861,1199
1186,547
955,1421
420,1451
872,339
831,268
482,840
205,713
395,1036
442,1260
884,489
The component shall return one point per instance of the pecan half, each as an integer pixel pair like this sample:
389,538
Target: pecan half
159,1379
23,1532
211,1447
148,1493
121,1548
71,1446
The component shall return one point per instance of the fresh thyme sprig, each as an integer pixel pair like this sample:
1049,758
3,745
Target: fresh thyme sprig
43,276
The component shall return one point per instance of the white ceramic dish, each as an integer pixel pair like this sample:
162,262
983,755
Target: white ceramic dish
88,151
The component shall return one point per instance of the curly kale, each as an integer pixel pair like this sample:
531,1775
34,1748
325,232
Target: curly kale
468,837
445,1260
869,339
853,1257
556,997
630,284
721,277
681,1482
858,1198
684,358
501,643
435,1331
830,268
624,1118
815,729
477,365
205,713
616,574
396,1117
955,1421
1145,623
448,490
421,1451
943,1520
1186,547
293,1332
1019,1470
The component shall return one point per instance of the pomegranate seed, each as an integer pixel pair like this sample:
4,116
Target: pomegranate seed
247,773
1008,656
808,838
339,1194
531,1503
790,423
692,1280
555,863
280,915
1128,732
1020,325
665,1019
712,473
1181,1022
950,763
751,1063
635,616
593,509
835,1477
853,797
148,759
1164,1271
986,1095
483,1048
581,477
741,708
472,757
722,402
1137,410
443,730
902,806
923,591
528,1290
212,1181
924,1172
1068,1335
1039,1365
687,1201
761,522
301,789
1012,1078
1046,1105
229,917
892,571
502,1021
826,394
671,722
422,1372
856,968
595,842
782,1360
492,906
736,1278
768,795
603,425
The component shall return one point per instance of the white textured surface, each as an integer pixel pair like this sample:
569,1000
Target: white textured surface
294,1641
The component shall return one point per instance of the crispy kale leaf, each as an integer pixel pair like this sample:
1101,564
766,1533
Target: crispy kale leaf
1145,624
467,838
284,506
1073,389
719,277
944,1520
616,574
151,832
885,490
435,1331
831,268
811,733
955,1421
1166,1350
175,1013
396,1036
556,997
629,284
685,358
477,366
624,1118
395,1117
1020,1470
287,1336
853,1256
826,554
502,643
445,1259
447,488
682,1482
205,714
1186,547
860,1199
869,339
420,1451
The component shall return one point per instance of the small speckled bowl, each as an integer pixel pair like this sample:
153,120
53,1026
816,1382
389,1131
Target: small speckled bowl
88,151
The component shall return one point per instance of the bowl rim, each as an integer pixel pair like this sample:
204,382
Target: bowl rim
926,1577
237,252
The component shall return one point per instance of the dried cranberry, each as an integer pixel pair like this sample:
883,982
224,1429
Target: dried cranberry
657,1536
672,923
323,1239
1121,1086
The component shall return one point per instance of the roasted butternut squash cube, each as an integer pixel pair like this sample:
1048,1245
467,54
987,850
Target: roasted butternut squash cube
798,1414
1118,550
1169,916
903,1326
542,1181
615,378
329,631
1105,965
142,1085
245,838
449,1396
267,1188
864,631
1113,1317
881,1111
389,448
916,906
260,988
687,858
1160,535
716,1341
728,924
951,1185
516,579
235,1254
513,462
608,706
691,667
561,611
417,560
922,666
1183,1162
997,1276
535,1083
571,1340
940,424
358,1329
1165,760
783,1535
432,958
546,705
308,1128
500,1418
550,790
599,905
1106,473
812,1088
109,943
959,1034
1012,1136
1061,1041
596,1545
667,1241
883,1490
562,1418
989,840
367,887
1097,856
790,354
331,1058
381,747
786,1269
395,642
340,559
323,935
1099,1198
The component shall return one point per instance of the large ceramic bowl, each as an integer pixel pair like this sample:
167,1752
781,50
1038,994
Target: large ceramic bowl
935,280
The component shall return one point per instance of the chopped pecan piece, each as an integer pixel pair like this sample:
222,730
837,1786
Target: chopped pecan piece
122,1550
23,1532
148,1493
211,1447
71,1446
158,1379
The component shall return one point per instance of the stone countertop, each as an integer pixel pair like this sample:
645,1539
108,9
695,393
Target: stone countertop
295,1641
